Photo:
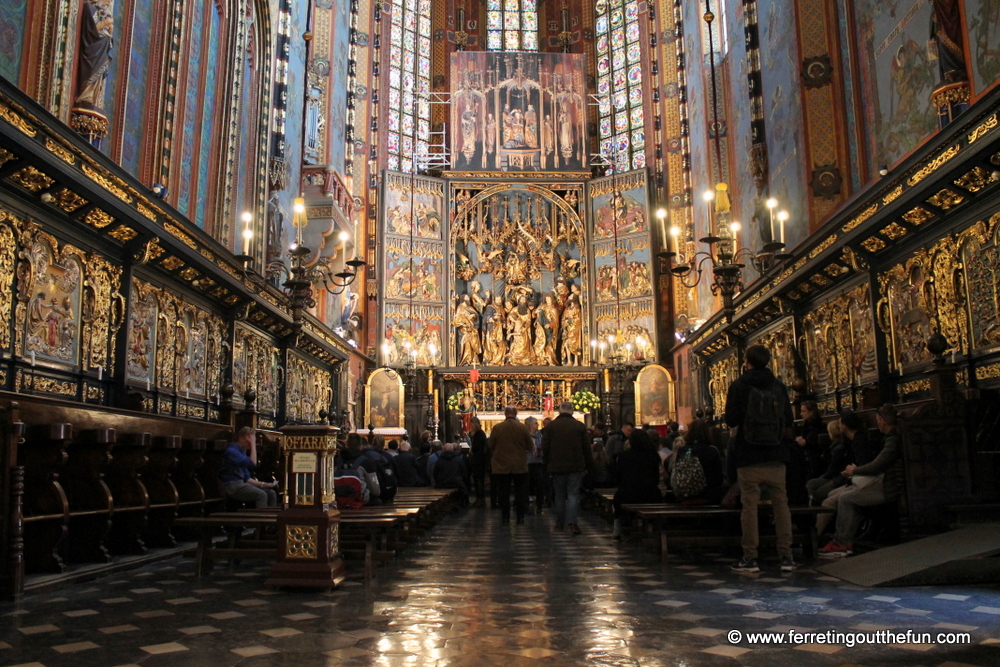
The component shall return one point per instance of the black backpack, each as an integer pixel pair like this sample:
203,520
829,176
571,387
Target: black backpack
387,481
765,421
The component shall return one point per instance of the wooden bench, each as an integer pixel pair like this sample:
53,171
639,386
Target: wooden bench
663,517
371,534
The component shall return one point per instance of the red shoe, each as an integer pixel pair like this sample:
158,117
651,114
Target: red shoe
835,550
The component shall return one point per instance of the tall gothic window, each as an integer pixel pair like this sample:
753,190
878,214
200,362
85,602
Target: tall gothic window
619,84
511,25
409,84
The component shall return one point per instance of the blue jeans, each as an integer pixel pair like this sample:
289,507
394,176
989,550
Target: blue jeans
566,486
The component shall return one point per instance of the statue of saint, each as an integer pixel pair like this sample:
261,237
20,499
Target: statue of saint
519,334
494,340
572,333
546,331
466,322
491,134
565,134
531,127
97,26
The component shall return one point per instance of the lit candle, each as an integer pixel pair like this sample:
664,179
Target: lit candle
735,228
607,380
782,217
247,232
772,203
674,233
661,213
430,383
435,404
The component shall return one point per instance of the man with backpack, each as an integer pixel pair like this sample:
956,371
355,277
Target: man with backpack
758,409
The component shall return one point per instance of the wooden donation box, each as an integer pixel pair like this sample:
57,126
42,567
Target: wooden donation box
308,525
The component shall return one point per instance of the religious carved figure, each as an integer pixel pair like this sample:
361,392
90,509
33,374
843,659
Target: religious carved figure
97,25
546,331
494,340
531,127
519,322
466,321
572,333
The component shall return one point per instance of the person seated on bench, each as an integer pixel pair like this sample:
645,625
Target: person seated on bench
406,466
450,472
241,458
692,486
874,483
856,445
639,472
820,487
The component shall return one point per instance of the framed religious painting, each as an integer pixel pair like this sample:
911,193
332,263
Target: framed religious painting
654,396
384,399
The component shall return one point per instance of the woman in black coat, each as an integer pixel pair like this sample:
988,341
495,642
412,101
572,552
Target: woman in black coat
638,472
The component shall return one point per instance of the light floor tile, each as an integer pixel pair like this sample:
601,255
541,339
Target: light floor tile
766,615
956,627
199,630
117,629
38,629
226,615
281,632
251,651
704,632
882,598
987,610
75,647
949,596
305,616
116,600
812,600
155,613
77,613
177,601
672,603
826,649
746,602
536,653
914,647
160,649
727,651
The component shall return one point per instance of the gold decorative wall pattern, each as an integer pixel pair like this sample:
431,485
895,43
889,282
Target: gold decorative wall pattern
103,312
8,255
840,341
140,359
981,261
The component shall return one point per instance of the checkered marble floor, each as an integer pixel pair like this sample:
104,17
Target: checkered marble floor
475,593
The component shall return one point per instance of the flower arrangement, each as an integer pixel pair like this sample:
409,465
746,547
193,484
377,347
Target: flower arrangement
454,401
586,401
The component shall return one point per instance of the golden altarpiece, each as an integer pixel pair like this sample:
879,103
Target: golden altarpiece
515,264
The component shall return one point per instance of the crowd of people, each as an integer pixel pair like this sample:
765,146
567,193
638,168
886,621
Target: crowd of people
763,454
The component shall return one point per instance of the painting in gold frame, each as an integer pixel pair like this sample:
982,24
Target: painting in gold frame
654,396
384,399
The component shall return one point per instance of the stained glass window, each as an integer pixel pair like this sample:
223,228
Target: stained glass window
409,111
511,25
619,84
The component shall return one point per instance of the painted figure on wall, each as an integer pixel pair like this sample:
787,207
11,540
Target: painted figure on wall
947,32
384,399
653,396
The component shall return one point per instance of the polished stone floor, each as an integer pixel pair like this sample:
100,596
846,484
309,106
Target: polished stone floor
478,594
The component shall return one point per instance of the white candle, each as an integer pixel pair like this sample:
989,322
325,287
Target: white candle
32,358
187,393
147,384
100,373
953,356
901,370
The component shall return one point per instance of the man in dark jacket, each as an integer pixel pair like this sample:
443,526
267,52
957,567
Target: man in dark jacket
406,466
566,452
479,460
450,472
757,407
509,444
874,483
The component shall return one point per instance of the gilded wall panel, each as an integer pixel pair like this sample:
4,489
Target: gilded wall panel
50,302
8,255
722,373
906,308
781,343
308,390
143,319
840,342
257,366
981,261
103,310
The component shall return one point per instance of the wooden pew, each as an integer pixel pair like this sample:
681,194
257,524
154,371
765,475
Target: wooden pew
665,518
42,453
90,500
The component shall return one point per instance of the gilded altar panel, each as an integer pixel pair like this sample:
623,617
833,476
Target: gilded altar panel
519,267
140,358
307,390
981,260
103,312
840,342
257,366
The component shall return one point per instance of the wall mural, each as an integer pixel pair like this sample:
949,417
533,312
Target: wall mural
12,27
898,76
520,270
518,111
783,116
622,266
983,20
413,267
